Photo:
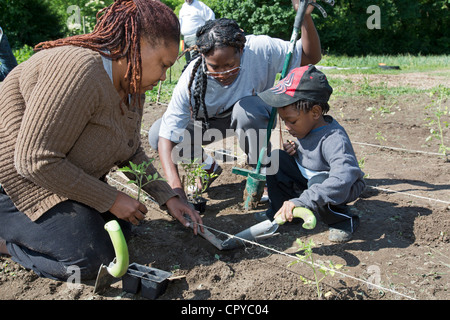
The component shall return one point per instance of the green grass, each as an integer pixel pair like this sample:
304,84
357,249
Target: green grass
369,64
438,65
347,87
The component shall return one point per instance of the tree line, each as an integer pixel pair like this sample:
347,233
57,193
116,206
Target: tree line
352,27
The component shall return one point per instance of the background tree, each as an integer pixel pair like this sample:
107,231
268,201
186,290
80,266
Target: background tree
29,22
406,26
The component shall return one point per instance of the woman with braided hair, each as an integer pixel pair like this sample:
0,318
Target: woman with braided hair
218,91
70,114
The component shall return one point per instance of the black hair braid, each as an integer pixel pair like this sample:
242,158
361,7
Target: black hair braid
201,85
213,34
200,92
194,108
194,55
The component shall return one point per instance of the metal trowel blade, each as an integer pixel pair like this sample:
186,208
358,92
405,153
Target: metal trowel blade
260,231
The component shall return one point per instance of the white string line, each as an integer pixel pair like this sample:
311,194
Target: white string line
396,148
410,194
282,253
388,147
354,142
369,284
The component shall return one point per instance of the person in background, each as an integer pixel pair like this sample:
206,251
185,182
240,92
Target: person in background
193,14
7,59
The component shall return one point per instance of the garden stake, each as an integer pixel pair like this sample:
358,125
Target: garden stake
119,266
255,180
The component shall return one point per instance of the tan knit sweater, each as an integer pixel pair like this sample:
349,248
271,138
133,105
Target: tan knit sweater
61,130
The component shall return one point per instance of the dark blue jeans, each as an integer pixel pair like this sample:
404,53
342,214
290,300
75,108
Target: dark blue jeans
7,59
68,235
288,183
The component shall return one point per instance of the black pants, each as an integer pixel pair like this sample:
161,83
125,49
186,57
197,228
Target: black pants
68,235
288,183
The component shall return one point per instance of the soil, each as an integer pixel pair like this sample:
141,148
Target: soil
401,245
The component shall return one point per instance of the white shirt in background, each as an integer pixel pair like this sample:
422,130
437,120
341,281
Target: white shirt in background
193,16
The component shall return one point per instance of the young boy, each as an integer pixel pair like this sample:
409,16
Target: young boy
319,171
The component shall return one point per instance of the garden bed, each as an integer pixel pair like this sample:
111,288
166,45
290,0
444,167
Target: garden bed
402,244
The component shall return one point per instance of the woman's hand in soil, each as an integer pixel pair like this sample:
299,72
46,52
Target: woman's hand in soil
285,212
128,209
290,147
178,208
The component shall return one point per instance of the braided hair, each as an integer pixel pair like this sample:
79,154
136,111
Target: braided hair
306,106
213,34
119,30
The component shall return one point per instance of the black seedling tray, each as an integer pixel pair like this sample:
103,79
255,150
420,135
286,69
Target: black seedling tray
150,282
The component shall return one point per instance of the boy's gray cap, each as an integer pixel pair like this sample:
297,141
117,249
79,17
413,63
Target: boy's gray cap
303,83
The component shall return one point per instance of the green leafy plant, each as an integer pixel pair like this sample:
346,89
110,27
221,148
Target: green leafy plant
437,122
361,164
140,172
23,53
194,170
308,259
379,136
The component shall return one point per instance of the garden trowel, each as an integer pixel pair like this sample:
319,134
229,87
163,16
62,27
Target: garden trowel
119,266
267,229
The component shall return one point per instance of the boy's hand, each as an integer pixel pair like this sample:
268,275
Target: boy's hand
290,147
285,212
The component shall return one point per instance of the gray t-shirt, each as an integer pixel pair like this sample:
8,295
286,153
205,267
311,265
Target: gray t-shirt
328,149
262,59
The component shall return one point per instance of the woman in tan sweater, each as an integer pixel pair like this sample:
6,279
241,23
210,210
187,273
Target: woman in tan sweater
69,115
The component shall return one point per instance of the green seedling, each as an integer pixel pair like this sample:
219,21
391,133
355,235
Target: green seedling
379,136
194,171
140,172
361,164
381,111
437,122
308,259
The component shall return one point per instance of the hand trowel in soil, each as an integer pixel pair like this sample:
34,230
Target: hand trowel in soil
119,266
267,229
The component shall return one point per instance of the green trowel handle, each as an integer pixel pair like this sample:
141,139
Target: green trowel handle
303,213
120,265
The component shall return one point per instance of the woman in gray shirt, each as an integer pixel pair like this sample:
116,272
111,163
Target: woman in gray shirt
218,91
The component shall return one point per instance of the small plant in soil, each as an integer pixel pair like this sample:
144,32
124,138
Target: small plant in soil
140,172
308,259
193,173
436,122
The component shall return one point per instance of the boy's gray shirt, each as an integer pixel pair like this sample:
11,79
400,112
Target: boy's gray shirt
262,59
328,148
